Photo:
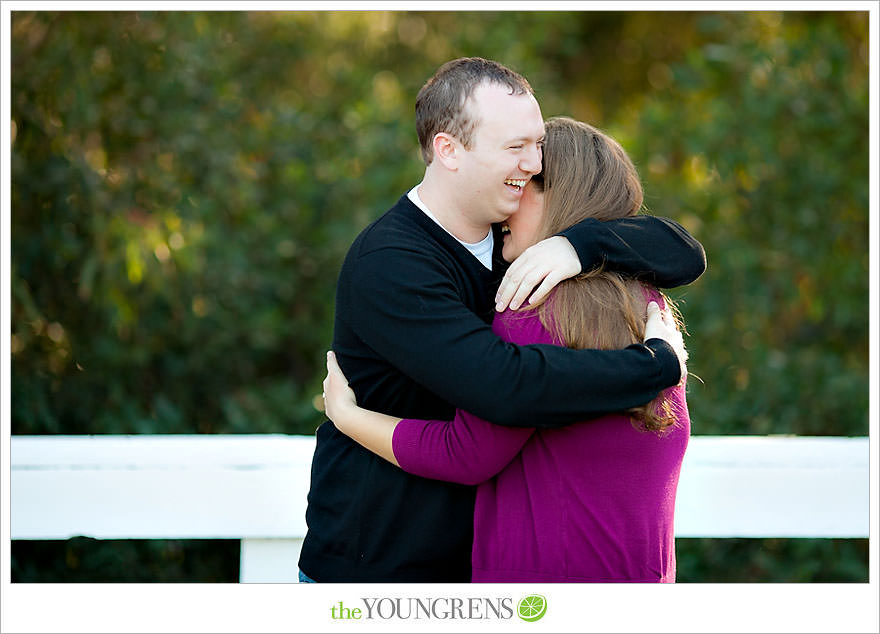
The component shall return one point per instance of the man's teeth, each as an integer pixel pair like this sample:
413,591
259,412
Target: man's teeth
517,182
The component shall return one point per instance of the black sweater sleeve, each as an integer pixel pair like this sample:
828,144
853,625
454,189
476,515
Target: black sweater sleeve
657,250
406,307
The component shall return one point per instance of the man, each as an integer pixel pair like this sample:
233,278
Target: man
415,300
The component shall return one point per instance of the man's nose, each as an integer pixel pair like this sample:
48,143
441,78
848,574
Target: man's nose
531,162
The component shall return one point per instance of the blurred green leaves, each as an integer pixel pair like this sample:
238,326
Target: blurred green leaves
759,146
181,204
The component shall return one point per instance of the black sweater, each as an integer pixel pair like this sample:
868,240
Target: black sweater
413,336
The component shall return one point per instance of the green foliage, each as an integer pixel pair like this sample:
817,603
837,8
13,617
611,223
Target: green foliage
185,185
731,560
84,560
183,195
759,146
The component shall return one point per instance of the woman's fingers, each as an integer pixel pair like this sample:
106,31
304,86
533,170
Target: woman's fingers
337,393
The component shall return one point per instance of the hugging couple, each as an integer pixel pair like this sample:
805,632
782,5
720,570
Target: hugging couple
506,387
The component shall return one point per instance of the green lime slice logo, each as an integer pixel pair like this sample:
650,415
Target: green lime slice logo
532,607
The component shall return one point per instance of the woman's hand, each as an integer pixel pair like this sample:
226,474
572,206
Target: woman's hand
372,430
339,399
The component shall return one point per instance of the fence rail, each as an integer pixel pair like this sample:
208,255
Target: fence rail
253,488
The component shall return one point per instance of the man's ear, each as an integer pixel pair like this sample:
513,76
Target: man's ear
446,150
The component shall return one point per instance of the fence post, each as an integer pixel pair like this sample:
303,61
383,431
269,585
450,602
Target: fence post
269,560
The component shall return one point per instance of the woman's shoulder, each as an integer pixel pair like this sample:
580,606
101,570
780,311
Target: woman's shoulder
522,327
653,294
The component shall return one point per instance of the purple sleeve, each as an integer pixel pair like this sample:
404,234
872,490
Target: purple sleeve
468,449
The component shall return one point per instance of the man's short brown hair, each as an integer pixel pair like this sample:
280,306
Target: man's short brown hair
441,105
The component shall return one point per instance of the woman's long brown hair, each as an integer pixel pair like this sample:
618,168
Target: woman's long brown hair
587,174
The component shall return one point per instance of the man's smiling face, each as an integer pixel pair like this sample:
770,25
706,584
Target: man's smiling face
505,153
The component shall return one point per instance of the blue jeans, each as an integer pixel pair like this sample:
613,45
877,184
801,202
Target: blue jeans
303,578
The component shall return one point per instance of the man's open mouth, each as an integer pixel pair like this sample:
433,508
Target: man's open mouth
516,183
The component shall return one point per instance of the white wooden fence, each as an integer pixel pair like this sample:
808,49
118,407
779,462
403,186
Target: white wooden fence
253,488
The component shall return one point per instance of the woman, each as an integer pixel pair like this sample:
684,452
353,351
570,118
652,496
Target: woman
591,502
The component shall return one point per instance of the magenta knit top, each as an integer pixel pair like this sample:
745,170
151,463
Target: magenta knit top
590,502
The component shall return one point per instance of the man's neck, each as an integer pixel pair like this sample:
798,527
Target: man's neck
454,220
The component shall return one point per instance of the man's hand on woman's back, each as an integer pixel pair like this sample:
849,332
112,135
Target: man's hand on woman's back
661,325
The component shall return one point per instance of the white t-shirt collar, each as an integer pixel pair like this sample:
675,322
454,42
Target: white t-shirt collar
481,250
